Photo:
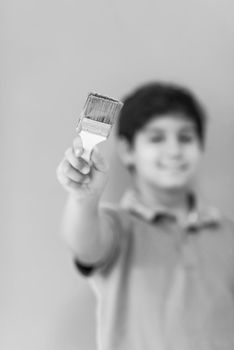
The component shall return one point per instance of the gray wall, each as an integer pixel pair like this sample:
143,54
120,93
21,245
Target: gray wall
52,54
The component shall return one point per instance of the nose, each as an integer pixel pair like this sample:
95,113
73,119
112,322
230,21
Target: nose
173,148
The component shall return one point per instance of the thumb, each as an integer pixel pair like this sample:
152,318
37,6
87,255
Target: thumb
98,161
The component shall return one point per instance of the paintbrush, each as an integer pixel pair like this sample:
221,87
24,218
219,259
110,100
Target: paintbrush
96,121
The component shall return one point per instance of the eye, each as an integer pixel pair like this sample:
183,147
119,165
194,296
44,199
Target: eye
186,138
157,138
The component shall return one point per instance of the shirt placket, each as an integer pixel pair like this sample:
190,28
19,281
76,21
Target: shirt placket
187,249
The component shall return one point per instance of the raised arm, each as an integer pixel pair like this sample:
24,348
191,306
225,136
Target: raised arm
82,228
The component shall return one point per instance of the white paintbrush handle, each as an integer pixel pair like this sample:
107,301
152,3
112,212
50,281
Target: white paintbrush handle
90,140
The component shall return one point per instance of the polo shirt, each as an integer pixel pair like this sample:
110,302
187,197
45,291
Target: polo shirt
164,285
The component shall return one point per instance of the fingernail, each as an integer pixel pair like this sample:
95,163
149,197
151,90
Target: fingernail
86,169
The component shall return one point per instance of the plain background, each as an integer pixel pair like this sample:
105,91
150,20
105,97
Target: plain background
52,54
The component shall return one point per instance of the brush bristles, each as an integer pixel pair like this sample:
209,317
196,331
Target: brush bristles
101,108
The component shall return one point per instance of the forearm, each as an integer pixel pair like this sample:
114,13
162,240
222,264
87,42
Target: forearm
83,228
83,231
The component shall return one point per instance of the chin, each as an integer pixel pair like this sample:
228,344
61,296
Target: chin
174,188
172,184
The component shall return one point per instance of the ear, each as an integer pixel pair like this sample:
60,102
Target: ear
125,152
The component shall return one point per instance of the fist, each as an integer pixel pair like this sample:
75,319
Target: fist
79,177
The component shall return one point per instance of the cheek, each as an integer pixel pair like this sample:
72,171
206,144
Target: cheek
145,162
193,156
149,157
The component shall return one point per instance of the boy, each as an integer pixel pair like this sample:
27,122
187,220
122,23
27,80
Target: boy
161,262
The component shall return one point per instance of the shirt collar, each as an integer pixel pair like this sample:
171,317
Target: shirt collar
200,215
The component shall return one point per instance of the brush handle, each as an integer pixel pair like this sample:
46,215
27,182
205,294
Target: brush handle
90,140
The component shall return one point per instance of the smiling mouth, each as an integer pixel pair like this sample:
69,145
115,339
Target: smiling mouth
176,167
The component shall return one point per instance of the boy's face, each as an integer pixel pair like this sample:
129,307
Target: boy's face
166,152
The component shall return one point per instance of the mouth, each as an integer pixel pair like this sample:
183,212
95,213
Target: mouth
173,167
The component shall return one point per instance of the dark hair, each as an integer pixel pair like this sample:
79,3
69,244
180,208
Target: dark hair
155,99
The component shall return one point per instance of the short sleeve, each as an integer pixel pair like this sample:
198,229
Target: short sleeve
84,269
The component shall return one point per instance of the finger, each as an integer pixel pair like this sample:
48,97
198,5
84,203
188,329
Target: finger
65,173
72,173
69,184
79,127
78,146
98,160
77,162
61,175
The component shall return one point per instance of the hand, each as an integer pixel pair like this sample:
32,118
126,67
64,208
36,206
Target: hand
80,178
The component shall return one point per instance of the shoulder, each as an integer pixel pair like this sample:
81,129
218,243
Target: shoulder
224,230
221,216
227,223
213,217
